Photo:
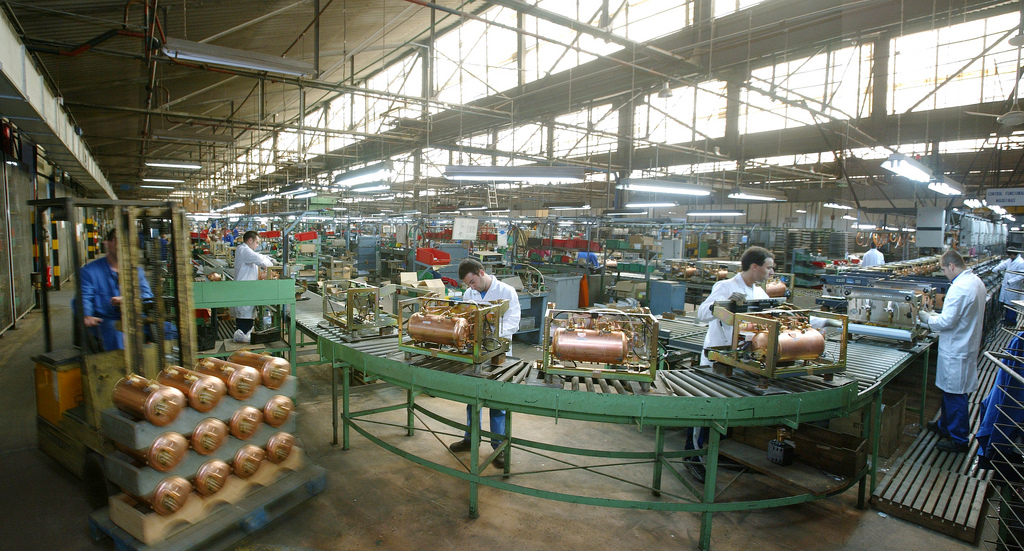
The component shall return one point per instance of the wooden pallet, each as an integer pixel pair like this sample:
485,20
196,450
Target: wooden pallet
229,523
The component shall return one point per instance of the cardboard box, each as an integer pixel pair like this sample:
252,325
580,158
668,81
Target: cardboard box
830,451
407,279
642,240
894,408
433,285
307,248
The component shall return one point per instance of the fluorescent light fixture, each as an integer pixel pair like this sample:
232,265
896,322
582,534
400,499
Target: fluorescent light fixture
716,213
232,206
650,205
496,211
411,212
997,209
293,189
1009,217
801,211
171,136
264,197
472,207
383,171
848,217
12,163
197,52
662,186
904,166
155,186
371,187
756,194
566,206
946,186
972,203
863,226
530,174
565,222
625,212
174,164
304,195
163,181
837,206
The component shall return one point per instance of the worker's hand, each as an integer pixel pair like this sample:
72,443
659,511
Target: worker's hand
923,315
115,301
738,297
92,321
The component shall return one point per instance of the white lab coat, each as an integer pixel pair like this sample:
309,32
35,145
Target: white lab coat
247,268
500,291
873,257
720,334
1014,281
960,332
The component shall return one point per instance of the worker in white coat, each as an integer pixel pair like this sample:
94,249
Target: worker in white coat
960,331
247,268
757,265
873,257
487,288
1012,269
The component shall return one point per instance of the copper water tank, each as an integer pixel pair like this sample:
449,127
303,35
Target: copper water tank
212,476
247,460
806,344
164,454
689,271
722,274
590,345
277,410
203,391
279,447
244,422
208,435
170,494
775,288
272,369
214,276
148,400
453,331
241,380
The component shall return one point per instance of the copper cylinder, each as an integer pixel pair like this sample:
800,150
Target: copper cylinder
689,271
279,447
203,391
278,410
148,400
452,331
208,435
211,477
245,421
170,494
590,345
214,276
775,288
164,454
273,370
722,274
794,344
241,380
247,460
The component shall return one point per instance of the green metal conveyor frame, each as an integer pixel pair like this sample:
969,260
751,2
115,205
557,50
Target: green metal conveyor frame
662,412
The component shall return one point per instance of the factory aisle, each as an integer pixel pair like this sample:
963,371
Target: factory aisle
378,500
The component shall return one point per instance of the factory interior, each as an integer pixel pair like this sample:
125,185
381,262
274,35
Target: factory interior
511,274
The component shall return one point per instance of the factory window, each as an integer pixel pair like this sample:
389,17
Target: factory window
527,139
920,62
587,132
725,7
403,78
691,114
339,117
832,85
476,60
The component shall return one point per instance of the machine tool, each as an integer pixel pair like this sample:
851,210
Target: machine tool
354,306
604,344
463,331
888,312
777,343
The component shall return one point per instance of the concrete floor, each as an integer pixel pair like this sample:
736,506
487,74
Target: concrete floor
376,499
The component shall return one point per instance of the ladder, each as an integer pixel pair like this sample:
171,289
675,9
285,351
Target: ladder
492,195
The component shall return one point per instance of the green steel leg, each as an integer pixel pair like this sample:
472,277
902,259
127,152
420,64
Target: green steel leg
659,448
507,452
334,400
474,459
711,470
410,399
925,366
876,436
346,373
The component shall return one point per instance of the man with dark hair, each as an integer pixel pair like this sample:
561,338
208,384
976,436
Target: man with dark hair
247,268
873,257
960,331
758,265
101,295
483,287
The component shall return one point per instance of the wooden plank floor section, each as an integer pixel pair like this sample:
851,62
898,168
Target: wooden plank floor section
938,490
